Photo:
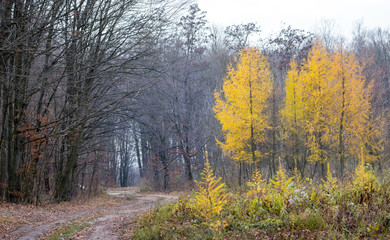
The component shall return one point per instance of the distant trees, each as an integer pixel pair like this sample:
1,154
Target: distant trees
175,111
372,51
238,36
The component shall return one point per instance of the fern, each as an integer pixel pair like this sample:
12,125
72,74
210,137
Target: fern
211,197
281,182
365,182
330,184
255,186
329,187
297,177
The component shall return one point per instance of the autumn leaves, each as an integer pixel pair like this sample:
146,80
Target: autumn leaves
326,112
241,109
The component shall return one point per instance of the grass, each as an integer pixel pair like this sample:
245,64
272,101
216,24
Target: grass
359,209
68,231
131,198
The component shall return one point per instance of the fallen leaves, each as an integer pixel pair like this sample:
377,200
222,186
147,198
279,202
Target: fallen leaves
105,215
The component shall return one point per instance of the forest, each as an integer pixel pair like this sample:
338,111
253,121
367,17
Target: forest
122,93
97,94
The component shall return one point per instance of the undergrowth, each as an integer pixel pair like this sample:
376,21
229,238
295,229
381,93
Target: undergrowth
69,230
284,208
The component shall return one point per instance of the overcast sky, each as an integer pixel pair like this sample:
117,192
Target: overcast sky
303,14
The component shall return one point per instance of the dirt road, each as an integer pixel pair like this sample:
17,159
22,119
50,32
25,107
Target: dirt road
102,218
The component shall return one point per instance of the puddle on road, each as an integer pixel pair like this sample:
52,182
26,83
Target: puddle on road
119,191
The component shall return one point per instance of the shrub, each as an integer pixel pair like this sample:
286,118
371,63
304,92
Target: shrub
210,199
256,186
355,209
365,183
281,183
329,186
309,219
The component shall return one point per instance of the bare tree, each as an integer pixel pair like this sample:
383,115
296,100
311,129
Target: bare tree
60,66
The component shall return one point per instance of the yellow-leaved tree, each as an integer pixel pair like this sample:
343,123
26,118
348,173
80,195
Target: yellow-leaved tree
352,107
308,106
318,97
292,116
327,106
241,106
211,198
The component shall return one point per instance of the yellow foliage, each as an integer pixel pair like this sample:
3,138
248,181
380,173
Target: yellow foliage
292,113
327,105
281,181
352,104
317,96
211,197
256,185
364,178
330,185
240,108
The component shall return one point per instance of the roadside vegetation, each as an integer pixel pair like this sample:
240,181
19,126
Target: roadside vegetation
325,186
283,208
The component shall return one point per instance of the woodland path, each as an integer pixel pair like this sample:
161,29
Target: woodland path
106,217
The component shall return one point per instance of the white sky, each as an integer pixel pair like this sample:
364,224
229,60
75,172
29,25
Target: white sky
303,14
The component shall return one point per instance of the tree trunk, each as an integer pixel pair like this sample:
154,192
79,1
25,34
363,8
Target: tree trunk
135,136
341,130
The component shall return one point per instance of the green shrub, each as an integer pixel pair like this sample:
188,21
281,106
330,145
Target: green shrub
309,219
274,203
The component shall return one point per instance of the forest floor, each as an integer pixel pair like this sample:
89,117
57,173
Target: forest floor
108,216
